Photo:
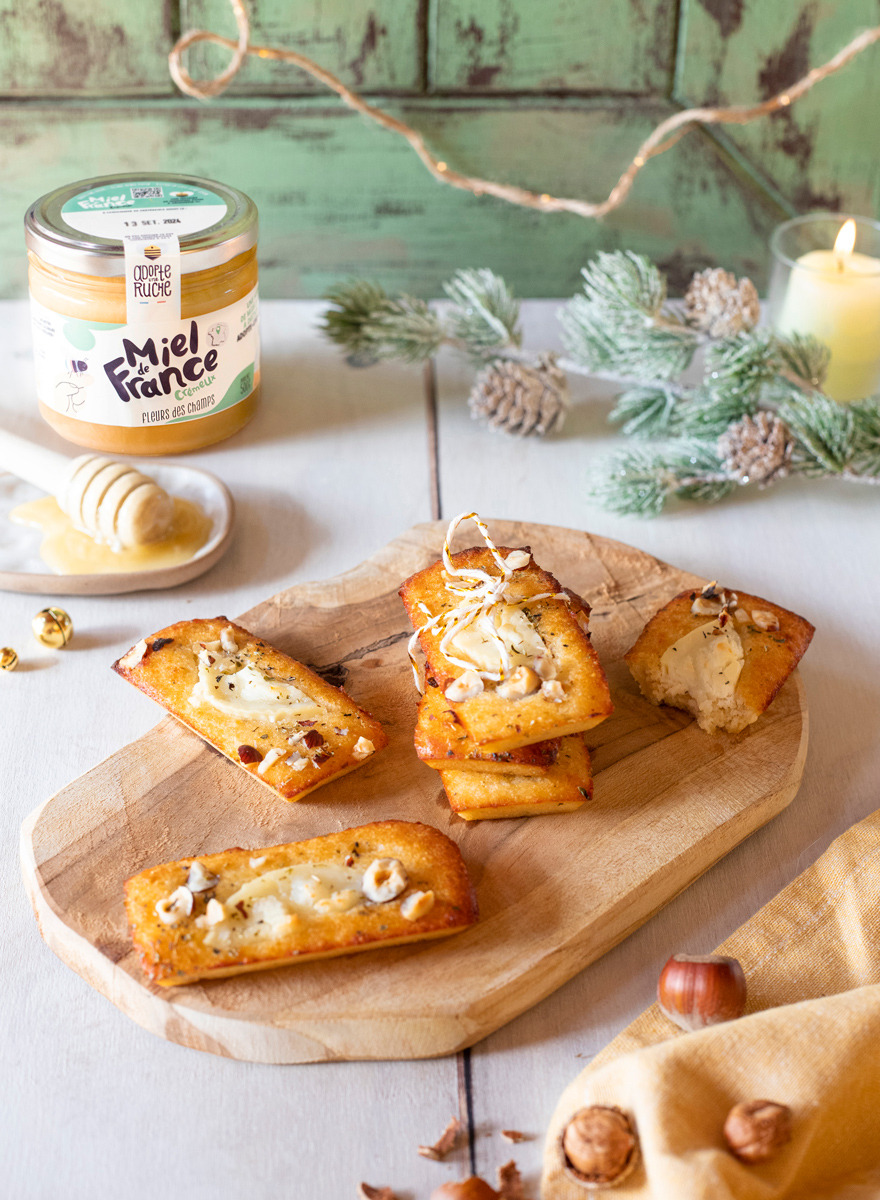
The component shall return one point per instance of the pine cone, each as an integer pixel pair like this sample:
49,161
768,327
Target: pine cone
520,399
757,449
720,306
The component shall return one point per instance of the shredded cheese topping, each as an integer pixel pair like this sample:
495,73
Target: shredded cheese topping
478,596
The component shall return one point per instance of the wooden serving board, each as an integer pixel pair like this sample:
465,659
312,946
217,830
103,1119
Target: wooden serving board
555,892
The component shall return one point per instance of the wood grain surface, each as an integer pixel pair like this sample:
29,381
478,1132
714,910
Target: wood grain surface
554,892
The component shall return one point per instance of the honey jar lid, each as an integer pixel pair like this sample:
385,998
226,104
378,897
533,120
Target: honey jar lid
80,227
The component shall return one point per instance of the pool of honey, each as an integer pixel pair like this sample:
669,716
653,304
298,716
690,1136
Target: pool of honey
69,551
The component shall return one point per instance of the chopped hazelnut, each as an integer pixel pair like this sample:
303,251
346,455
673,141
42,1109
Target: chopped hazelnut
600,1145
417,905
522,682
755,1130
468,685
544,667
552,689
711,601
214,914
272,756
765,620
171,908
363,748
134,656
200,880
518,559
384,879
702,607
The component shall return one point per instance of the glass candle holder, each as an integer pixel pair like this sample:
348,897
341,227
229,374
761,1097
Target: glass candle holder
826,281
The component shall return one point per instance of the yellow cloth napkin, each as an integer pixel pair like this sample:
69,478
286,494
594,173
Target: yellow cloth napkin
815,951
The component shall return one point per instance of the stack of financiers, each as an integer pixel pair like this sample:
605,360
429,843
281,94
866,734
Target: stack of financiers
511,682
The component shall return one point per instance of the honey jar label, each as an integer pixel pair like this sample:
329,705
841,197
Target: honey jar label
141,374
143,206
152,277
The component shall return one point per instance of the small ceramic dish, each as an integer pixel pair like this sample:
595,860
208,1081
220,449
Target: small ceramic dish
23,570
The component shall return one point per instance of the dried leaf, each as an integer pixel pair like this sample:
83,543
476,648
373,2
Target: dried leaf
510,1182
365,1192
444,1143
514,1135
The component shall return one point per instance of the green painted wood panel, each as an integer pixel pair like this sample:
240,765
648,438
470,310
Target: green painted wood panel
823,151
338,196
369,44
553,45
85,47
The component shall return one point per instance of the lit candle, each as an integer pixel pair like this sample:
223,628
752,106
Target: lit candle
835,294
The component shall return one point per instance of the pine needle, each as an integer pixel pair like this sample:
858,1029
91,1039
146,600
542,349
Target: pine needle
484,312
824,432
646,412
620,325
633,483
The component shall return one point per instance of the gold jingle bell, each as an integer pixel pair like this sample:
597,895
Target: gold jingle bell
52,627
8,659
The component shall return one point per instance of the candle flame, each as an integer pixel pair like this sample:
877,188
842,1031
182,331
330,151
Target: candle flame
846,239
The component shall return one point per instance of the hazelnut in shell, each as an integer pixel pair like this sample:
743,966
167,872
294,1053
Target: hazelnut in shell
698,990
599,1146
472,1188
755,1130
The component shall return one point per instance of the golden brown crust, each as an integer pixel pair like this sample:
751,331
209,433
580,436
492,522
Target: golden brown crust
179,954
496,724
168,671
441,741
769,656
563,787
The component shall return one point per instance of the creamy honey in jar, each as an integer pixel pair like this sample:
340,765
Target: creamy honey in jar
145,311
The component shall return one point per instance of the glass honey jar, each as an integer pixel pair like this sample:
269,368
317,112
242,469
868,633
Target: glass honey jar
145,311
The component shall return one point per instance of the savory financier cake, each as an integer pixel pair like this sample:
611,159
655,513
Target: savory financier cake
563,787
248,910
266,712
506,646
719,655
441,742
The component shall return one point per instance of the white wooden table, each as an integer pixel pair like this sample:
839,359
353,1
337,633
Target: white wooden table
337,462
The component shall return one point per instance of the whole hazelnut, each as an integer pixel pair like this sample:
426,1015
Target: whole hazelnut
472,1188
756,1129
697,990
600,1145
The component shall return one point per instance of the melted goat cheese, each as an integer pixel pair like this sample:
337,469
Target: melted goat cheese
244,691
511,624
272,903
705,664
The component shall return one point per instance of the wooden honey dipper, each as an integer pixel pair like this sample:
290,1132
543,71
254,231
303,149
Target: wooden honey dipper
111,501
